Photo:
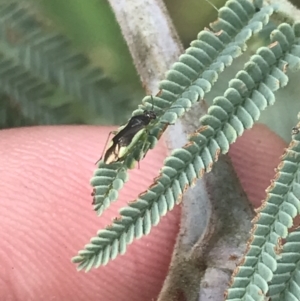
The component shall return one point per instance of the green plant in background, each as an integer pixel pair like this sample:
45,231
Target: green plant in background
47,78
43,78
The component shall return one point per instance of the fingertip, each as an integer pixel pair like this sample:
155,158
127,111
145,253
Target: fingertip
47,217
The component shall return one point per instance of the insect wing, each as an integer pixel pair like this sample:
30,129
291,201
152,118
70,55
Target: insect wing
125,136
125,149
112,153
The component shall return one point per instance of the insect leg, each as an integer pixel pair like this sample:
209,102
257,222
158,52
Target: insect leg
143,146
111,132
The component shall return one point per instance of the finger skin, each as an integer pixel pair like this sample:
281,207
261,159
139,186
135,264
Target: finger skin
47,217
46,213
255,156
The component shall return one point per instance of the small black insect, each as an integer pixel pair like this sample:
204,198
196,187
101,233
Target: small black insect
123,140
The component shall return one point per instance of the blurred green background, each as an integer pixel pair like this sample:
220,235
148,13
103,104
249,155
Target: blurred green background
93,28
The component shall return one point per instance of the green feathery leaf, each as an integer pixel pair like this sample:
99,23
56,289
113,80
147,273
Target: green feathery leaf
285,285
107,181
274,218
28,91
220,127
190,79
225,121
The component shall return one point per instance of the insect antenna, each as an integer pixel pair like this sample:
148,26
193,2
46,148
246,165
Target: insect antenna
211,4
